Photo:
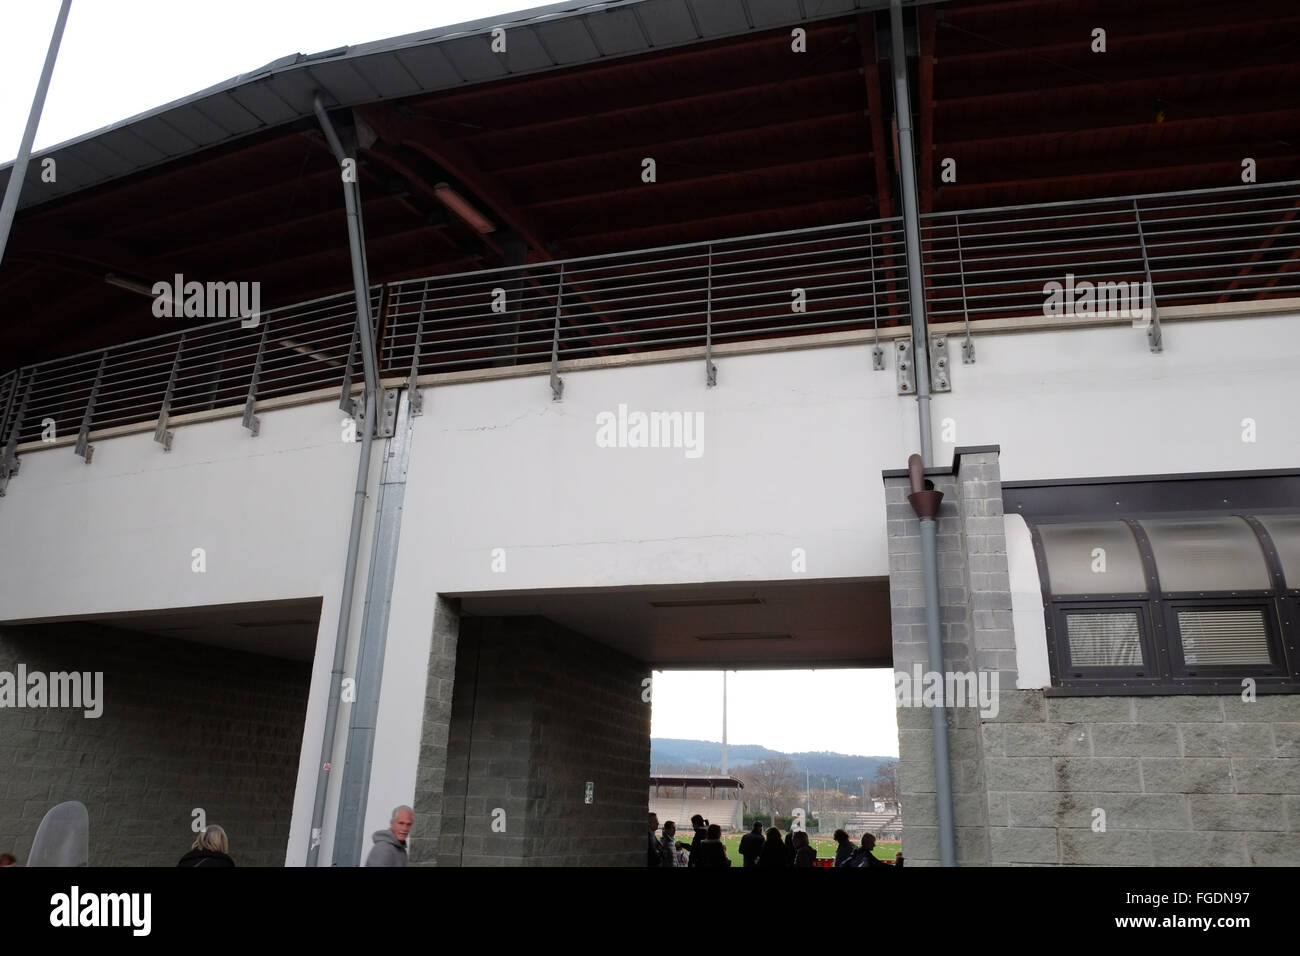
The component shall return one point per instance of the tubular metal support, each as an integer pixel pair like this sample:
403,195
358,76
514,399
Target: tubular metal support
911,229
9,205
84,448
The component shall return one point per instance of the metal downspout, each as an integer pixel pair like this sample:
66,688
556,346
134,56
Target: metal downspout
356,244
925,502
911,230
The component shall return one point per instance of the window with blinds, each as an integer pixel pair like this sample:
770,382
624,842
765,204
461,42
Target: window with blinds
1104,640
1223,638
1172,603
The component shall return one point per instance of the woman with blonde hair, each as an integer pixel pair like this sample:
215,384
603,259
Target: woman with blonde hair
211,848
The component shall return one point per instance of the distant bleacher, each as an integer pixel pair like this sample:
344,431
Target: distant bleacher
725,813
886,826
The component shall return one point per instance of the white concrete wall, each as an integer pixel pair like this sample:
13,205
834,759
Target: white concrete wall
793,447
271,514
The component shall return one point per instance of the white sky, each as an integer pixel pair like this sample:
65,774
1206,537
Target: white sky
847,711
123,57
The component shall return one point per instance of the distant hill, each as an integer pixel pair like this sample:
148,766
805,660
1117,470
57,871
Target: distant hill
702,754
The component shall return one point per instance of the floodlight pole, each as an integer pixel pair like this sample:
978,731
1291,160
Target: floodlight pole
16,175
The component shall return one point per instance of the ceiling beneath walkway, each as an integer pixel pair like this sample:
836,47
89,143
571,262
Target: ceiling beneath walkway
786,625
285,629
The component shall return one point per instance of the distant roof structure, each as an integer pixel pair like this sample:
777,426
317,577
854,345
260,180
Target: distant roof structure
695,780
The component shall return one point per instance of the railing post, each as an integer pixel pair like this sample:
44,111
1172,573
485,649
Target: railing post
9,463
416,402
250,404
11,380
877,353
162,434
967,347
1153,328
346,401
710,370
84,448
557,383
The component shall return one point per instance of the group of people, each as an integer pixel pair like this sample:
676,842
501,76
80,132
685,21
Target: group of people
756,848
210,848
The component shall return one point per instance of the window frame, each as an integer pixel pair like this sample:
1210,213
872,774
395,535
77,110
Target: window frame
1158,624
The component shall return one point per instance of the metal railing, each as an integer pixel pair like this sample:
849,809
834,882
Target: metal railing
1205,245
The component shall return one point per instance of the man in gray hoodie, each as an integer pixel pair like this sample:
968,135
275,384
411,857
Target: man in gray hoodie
390,844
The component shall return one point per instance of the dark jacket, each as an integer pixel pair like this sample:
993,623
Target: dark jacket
654,852
805,855
789,846
846,850
751,845
861,858
711,853
774,854
205,858
387,851
701,834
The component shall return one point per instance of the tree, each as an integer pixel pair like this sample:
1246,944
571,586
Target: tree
885,786
773,784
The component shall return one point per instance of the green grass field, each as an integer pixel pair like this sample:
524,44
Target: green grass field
825,846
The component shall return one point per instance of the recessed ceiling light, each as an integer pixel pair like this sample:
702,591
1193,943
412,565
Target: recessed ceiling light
709,602
744,637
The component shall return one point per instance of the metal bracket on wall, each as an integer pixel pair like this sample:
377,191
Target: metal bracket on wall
388,414
906,374
939,369
968,351
84,448
162,434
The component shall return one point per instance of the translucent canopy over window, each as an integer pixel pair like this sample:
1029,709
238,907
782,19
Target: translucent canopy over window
1285,532
1207,554
1094,558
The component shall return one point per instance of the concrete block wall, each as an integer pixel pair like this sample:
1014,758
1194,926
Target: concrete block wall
436,796
184,726
537,711
1182,781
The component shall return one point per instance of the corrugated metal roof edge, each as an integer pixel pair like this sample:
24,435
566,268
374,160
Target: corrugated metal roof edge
299,61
